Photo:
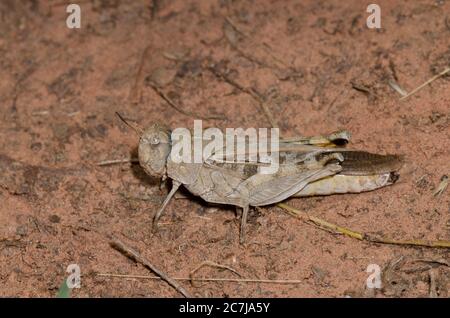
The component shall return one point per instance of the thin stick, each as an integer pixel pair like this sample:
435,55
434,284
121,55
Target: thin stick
433,288
432,261
427,83
179,109
264,107
211,264
136,90
121,247
209,279
249,91
359,235
265,46
117,161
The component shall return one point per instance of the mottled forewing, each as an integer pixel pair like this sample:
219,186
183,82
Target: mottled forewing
264,190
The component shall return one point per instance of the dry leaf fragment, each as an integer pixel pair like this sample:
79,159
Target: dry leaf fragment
442,186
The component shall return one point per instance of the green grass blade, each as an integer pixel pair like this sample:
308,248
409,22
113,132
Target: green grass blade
64,291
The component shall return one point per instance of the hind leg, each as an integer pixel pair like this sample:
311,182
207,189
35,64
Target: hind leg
338,138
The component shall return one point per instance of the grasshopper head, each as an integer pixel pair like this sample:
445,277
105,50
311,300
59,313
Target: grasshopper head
154,148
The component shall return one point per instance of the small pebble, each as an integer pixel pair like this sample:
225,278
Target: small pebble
54,218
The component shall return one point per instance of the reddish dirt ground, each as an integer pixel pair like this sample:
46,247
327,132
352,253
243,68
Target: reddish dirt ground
60,89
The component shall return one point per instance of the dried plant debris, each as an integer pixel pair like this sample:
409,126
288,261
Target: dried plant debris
443,184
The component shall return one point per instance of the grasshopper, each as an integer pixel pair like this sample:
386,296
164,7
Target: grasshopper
308,166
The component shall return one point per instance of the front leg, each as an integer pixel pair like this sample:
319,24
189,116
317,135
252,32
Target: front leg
175,186
243,224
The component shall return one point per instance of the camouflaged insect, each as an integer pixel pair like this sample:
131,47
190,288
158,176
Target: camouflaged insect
307,166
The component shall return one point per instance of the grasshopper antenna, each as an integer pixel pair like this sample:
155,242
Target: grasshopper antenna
135,127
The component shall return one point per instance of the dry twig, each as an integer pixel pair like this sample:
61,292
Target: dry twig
210,279
122,247
181,110
136,89
358,235
447,70
433,287
117,161
211,264
249,91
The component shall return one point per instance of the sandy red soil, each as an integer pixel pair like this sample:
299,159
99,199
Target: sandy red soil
60,89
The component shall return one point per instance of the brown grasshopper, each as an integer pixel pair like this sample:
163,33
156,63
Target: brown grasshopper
307,166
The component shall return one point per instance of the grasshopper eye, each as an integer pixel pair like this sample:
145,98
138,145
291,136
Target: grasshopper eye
154,140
